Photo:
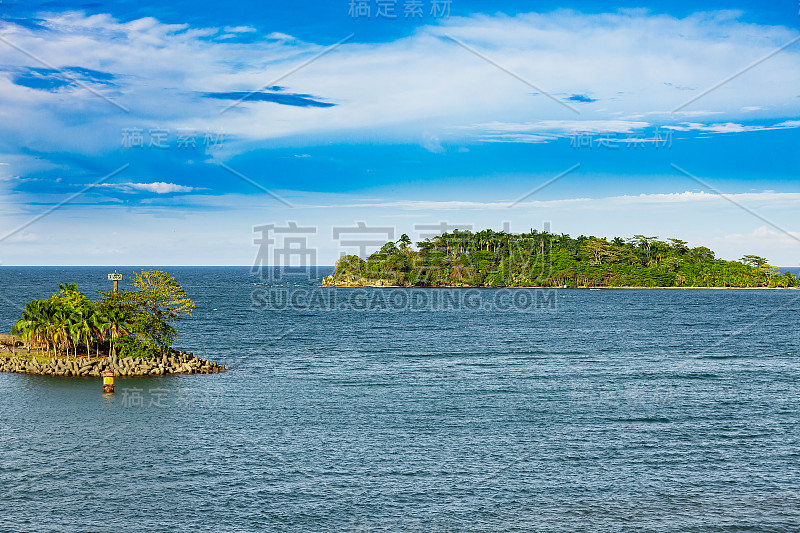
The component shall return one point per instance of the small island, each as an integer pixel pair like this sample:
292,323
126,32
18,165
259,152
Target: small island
499,259
127,332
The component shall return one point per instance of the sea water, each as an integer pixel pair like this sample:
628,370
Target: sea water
648,410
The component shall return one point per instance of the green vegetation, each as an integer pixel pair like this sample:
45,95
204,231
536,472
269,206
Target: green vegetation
138,322
499,259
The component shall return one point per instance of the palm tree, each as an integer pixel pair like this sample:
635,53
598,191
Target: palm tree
115,322
36,323
97,323
27,329
83,327
74,329
61,329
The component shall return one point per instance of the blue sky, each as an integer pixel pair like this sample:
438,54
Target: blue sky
215,118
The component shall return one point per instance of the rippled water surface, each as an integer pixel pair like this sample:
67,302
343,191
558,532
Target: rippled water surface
660,410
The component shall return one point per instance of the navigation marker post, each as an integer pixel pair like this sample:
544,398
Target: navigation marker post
116,279
108,377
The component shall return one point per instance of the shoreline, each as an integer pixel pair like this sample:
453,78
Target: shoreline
605,288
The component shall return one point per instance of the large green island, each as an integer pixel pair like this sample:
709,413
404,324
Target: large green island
499,259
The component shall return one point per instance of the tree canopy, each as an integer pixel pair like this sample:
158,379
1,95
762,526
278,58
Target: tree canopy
490,258
156,303
139,321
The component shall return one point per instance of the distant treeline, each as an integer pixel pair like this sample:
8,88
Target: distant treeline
499,259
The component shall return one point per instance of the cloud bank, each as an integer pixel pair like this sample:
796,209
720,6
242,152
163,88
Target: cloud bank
616,68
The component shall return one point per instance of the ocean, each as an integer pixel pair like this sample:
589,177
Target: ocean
419,410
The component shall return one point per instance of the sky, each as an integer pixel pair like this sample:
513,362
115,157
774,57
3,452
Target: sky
208,133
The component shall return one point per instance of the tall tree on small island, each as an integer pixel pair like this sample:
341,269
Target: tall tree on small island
114,322
138,321
156,302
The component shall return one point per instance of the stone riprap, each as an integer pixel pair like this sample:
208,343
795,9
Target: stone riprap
174,363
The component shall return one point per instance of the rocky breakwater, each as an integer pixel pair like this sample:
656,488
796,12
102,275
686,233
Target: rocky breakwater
174,363
330,281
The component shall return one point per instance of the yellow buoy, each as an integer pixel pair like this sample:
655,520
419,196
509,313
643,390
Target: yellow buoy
108,382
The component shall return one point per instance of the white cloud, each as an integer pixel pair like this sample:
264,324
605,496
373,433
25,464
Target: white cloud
549,130
702,196
517,138
432,143
764,232
278,36
609,202
23,237
240,29
160,187
157,187
694,113
763,241
565,126
731,127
